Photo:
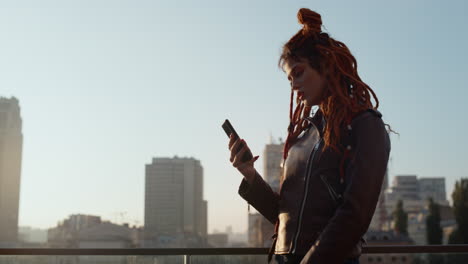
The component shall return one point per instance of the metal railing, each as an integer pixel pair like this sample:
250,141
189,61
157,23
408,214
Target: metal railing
188,252
461,248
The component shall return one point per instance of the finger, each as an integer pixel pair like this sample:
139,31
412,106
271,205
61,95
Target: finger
232,139
245,143
236,143
233,153
238,157
235,148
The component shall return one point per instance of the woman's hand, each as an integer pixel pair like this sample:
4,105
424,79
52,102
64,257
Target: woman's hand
245,168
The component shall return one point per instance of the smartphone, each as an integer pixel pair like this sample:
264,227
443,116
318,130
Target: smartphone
229,129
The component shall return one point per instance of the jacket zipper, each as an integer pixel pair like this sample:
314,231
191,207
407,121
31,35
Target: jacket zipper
309,165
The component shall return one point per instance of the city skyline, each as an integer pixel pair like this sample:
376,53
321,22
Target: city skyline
268,146
272,151
105,86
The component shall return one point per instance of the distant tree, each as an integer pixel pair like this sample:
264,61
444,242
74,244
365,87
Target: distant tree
455,238
400,217
433,229
460,208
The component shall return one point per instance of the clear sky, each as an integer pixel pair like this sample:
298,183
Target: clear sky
104,86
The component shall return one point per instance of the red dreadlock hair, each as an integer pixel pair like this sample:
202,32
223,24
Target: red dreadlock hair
345,93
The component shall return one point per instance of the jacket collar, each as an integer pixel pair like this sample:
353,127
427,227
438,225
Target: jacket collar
318,120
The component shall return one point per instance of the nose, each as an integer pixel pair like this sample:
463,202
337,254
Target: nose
294,85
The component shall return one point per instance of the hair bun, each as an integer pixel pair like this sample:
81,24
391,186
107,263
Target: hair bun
312,21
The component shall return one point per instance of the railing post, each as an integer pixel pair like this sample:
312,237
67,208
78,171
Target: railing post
186,259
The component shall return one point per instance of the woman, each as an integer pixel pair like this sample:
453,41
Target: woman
334,160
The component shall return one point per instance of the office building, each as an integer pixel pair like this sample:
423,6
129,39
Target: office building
11,145
175,212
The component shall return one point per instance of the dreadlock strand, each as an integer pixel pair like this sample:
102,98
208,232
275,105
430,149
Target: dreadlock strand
291,105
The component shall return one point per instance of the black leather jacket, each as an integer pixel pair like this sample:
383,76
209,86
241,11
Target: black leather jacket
320,215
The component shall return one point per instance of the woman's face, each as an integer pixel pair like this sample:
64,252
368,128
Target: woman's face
306,81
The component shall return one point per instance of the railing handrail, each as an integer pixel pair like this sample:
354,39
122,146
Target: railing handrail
390,249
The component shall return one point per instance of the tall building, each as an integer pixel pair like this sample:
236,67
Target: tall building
414,192
405,187
272,158
11,145
175,212
433,187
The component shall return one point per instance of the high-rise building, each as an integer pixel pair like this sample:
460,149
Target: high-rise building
405,187
414,192
11,145
433,187
272,158
175,212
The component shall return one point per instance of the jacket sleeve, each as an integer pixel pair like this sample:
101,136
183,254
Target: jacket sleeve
364,177
260,195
